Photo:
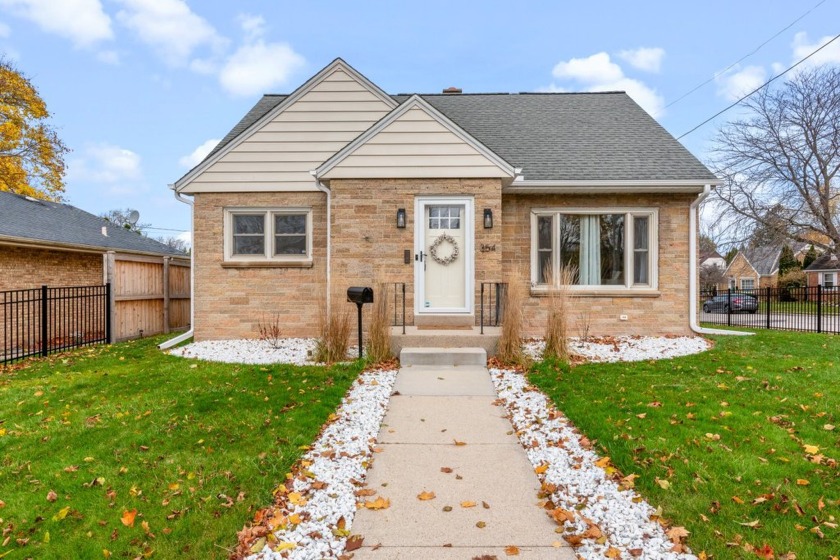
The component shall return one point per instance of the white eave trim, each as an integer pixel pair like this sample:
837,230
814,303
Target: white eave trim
337,64
525,186
415,101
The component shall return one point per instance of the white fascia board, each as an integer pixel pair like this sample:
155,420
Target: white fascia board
237,187
601,186
415,101
337,64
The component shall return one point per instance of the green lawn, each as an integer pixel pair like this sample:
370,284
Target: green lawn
728,431
193,447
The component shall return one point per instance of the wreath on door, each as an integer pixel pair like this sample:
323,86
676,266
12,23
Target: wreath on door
444,237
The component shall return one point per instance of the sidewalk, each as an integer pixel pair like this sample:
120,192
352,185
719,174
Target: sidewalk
432,408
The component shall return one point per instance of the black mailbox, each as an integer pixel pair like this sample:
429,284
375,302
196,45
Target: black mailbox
358,294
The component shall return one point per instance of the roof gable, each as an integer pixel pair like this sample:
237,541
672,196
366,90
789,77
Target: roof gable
765,260
827,262
740,256
24,219
314,122
415,141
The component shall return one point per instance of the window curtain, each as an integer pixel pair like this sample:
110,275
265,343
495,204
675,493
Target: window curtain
590,250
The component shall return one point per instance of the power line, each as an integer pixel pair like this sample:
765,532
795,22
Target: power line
768,82
755,50
167,229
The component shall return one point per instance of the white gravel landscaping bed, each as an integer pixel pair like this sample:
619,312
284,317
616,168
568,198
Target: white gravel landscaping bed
627,348
606,518
316,507
297,351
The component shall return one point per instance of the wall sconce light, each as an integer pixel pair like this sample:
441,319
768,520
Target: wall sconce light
401,218
488,218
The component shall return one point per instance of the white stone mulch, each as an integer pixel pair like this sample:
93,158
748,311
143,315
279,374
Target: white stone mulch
607,520
316,508
297,351
627,348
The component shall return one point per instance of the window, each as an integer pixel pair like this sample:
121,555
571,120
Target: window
607,249
747,283
444,217
282,235
828,280
732,285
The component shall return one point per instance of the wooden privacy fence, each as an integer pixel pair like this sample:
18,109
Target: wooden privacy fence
150,295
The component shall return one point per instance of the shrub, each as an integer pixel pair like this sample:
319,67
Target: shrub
334,330
270,331
789,285
379,337
510,340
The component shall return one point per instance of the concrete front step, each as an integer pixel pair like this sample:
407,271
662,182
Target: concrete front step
443,357
415,337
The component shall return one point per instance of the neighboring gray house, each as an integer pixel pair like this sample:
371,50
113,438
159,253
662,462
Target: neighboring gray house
56,244
753,268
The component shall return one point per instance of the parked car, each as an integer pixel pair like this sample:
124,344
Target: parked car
739,302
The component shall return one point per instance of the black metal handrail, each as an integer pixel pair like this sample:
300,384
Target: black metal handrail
496,292
399,302
36,322
806,308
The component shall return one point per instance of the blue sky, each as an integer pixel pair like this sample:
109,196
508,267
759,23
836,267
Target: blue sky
139,89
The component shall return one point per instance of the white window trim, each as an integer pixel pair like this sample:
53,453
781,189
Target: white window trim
268,228
653,247
754,283
833,280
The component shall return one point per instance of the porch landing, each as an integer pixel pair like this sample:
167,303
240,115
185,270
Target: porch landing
415,337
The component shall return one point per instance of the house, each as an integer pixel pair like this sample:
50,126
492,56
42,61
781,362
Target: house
757,267
825,271
55,244
340,184
712,258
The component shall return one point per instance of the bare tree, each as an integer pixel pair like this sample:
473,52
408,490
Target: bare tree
780,162
123,218
710,276
176,243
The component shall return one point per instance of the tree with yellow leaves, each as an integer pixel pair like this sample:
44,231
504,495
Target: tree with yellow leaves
31,153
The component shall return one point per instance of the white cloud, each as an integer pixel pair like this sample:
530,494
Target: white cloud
106,164
598,73
186,237
257,66
734,85
802,48
648,59
82,21
594,69
171,28
196,156
5,30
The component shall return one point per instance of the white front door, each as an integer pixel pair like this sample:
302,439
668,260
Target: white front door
444,249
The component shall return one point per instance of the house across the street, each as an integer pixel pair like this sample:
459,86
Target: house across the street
341,184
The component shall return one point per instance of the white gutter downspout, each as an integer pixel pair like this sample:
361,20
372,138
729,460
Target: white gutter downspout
692,269
324,189
184,336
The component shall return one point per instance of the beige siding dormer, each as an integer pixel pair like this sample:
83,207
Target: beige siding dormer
415,142
279,155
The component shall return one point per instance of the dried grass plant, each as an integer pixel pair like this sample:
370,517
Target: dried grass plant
379,336
270,331
557,323
334,327
510,350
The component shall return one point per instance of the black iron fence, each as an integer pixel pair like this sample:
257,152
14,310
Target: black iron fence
810,309
39,321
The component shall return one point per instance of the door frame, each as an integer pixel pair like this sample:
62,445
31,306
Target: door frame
468,252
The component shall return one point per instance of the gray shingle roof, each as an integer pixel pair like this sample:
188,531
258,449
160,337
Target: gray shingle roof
556,136
827,261
765,260
53,222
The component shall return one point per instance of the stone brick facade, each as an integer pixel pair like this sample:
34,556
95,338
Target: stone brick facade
665,312
367,247
25,267
231,302
738,270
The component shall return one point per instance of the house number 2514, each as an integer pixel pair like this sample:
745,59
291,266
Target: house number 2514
487,248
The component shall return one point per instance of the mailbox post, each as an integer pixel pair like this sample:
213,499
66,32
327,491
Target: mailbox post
360,296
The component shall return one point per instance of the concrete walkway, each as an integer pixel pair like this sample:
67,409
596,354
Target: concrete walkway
434,406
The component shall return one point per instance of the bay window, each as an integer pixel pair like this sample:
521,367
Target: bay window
597,249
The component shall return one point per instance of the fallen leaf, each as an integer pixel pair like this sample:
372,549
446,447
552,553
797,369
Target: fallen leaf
424,496
128,518
459,443
467,504
802,482
664,484
602,462
752,524
612,552
512,550
446,470
365,492
677,533
481,524
828,427
61,514
378,503
541,469
51,496
811,449
354,542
